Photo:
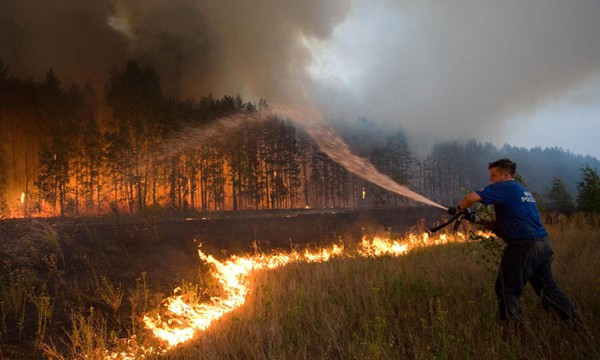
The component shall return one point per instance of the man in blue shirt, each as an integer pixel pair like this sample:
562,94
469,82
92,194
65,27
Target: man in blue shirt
528,255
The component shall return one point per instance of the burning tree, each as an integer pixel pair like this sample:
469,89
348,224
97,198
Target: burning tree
3,187
72,152
135,98
3,168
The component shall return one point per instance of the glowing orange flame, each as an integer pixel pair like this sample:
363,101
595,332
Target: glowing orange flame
187,319
181,320
22,198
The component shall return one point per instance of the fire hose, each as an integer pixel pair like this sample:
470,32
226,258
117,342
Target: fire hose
458,216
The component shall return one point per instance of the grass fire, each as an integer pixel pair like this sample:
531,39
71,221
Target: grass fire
372,293
187,318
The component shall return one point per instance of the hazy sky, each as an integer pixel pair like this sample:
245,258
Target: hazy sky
525,73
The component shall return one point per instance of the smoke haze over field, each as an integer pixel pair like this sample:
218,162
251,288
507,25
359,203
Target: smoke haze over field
524,73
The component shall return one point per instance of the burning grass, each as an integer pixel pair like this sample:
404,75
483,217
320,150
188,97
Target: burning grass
354,299
435,302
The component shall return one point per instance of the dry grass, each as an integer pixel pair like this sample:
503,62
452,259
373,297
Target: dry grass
434,303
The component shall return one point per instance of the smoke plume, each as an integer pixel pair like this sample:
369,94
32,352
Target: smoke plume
444,69
463,68
251,48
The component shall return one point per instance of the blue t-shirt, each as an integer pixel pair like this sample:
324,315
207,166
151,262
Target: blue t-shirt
517,216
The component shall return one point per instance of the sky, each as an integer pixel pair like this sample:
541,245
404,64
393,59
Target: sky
526,73
522,73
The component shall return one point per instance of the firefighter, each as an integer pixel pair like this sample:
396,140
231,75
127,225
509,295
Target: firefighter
528,254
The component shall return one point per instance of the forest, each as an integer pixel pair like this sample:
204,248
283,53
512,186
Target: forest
75,151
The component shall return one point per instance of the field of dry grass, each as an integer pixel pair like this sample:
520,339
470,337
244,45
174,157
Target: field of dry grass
435,302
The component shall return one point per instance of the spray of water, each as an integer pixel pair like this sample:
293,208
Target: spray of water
313,122
329,142
195,137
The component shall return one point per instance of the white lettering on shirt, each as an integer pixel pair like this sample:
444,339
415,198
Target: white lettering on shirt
527,197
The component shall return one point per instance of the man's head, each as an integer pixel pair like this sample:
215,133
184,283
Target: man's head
502,170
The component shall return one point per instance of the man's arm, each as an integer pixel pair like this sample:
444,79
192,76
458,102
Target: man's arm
469,200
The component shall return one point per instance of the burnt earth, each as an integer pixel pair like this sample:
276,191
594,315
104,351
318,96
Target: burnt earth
70,257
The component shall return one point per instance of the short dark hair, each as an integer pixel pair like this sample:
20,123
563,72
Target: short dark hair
505,165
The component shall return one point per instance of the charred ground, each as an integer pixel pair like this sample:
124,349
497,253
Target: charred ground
83,263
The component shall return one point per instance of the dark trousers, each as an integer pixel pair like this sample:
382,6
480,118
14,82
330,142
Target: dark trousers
523,261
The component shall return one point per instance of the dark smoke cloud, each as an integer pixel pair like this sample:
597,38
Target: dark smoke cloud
438,68
70,37
251,48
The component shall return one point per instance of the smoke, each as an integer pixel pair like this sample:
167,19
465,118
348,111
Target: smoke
441,69
251,48
461,68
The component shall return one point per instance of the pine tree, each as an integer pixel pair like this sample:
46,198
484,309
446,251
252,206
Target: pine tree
560,199
3,186
588,198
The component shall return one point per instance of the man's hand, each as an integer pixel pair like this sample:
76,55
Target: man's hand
467,214
454,210
471,216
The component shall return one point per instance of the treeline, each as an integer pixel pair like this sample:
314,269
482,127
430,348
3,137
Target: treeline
562,181
72,151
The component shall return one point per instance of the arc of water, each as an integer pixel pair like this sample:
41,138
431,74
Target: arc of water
331,144
311,120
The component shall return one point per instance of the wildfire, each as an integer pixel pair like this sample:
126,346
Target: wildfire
185,319
180,318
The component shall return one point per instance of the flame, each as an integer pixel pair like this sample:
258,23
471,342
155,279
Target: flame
180,319
185,320
381,246
22,198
